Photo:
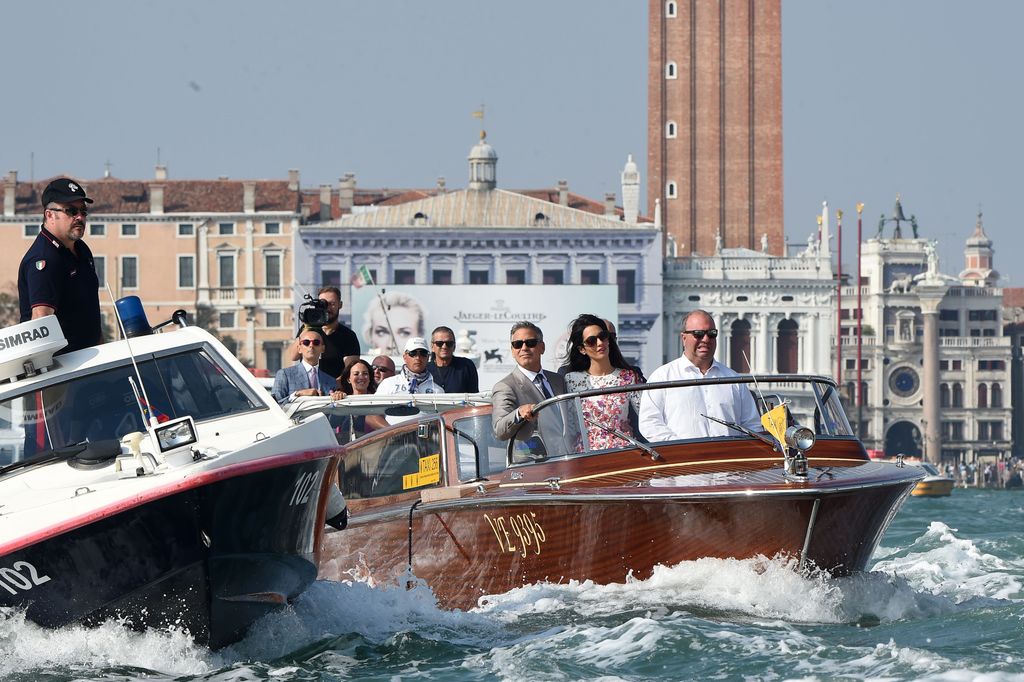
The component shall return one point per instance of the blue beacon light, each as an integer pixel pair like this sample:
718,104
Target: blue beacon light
133,316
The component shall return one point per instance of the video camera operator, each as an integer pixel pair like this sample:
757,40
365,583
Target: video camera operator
341,343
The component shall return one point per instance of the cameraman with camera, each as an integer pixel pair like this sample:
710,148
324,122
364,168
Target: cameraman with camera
341,343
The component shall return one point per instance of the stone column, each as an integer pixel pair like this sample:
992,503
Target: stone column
761,362
250,264
203,263
931,296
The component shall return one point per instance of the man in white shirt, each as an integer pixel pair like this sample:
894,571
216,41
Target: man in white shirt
673,414
413,378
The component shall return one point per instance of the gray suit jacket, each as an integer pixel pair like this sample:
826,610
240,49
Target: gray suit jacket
511,392
294,378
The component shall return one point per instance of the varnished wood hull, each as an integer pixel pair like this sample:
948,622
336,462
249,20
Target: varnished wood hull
604,523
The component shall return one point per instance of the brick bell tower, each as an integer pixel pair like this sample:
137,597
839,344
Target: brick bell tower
714,122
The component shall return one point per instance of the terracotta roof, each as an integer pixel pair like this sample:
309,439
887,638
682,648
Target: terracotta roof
112,195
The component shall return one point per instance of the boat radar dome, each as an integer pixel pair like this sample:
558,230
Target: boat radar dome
29,347
133,317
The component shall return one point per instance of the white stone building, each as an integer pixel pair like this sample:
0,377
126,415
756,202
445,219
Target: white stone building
486,235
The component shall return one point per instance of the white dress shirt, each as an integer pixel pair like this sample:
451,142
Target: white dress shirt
675,413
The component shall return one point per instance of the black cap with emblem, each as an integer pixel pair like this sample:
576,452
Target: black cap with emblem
64,191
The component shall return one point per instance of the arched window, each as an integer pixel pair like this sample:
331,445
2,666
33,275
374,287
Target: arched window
786,347
670,190
982,395
997,396
670,70
670,9
851,392
944,395
863,393
739,346
958,395
670,129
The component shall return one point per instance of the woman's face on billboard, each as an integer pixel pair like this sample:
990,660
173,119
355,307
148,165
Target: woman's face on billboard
405,322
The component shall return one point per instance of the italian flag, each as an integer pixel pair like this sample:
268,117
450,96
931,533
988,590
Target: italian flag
361,278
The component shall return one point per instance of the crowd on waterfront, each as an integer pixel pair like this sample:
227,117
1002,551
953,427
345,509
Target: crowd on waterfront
1006,472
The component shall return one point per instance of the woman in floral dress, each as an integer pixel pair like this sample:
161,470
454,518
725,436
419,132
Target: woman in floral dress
596,362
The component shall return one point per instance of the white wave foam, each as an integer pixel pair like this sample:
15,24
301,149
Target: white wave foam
941,563
25,646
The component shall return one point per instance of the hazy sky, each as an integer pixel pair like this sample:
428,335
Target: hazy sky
920,97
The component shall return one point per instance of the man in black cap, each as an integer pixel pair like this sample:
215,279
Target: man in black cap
57,275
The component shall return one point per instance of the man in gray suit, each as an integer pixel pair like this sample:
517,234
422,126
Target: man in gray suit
513,398
305,377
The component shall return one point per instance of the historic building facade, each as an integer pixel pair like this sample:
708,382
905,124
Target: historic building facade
714,130
935,367
773,312
486,235
220,249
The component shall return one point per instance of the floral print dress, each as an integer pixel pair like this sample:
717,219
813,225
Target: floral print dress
611,410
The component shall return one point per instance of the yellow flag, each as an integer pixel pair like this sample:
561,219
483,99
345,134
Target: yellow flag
478,113
774,422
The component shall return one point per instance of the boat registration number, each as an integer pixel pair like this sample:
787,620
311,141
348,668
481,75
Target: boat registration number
22,576
518,533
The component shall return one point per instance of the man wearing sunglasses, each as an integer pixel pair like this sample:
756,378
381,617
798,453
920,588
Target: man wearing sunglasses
413,377
57,275
513,397
450,372
677,413
305,378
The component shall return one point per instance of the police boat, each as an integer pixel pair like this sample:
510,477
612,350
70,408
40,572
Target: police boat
154,481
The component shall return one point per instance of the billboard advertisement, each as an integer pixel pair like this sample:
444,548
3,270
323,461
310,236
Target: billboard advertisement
481,316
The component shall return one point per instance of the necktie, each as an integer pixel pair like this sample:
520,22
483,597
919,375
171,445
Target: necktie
542,386
313,383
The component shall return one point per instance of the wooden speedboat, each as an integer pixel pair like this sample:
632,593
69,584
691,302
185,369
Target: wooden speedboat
474,516
934,484
156,482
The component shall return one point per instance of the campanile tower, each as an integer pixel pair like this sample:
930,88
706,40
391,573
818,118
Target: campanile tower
714,127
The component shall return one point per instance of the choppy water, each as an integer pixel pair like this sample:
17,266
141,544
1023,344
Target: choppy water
943,601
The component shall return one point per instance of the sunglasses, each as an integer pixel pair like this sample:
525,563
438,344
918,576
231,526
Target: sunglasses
445,344
530,343
71,212
699,333
417,353
310,342
600,336
382,370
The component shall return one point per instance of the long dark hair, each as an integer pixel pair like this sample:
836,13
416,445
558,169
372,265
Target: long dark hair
578,361
346,385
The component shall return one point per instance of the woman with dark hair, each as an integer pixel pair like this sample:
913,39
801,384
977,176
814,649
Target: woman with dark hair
595,361
356,379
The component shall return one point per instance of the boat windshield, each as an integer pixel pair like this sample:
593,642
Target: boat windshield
645,415
102,405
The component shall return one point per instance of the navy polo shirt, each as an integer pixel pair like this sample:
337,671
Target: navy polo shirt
51,274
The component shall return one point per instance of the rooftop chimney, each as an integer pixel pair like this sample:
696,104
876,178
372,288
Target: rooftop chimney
346,193
156,198
161,172
249,196
10,192
441,184
563,193
325,203
293,179
609,204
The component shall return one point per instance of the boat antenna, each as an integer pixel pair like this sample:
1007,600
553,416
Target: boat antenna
754,377
138,375
387,320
